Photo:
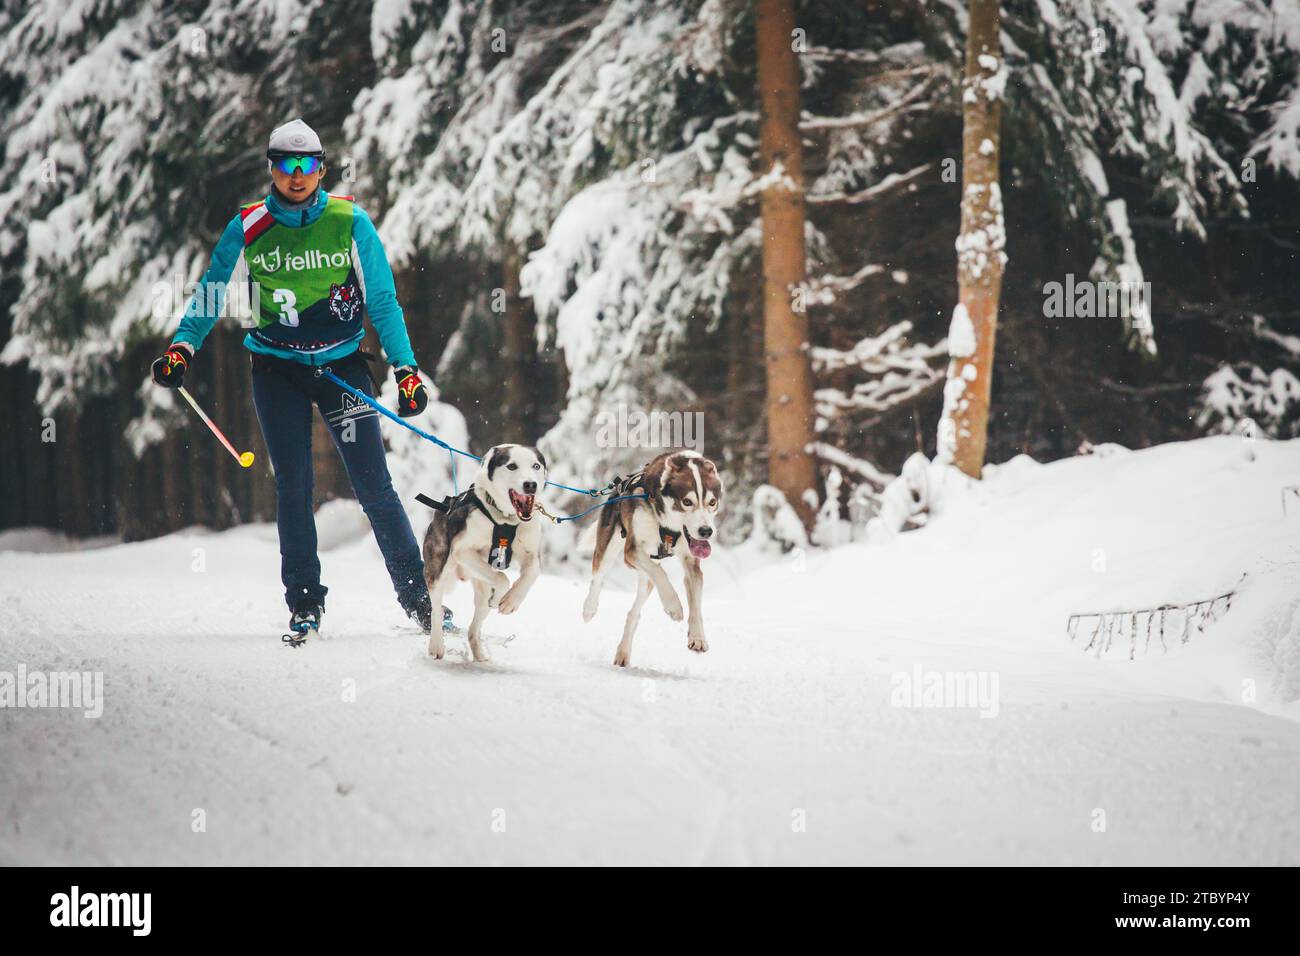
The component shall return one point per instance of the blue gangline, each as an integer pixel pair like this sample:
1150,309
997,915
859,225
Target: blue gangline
592,492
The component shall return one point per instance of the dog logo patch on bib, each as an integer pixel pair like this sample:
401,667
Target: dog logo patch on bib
344,302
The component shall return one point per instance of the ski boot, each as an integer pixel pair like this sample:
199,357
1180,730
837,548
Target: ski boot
418,608
424,617
304,623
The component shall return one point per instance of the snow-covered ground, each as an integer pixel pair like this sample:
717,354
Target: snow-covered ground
785,743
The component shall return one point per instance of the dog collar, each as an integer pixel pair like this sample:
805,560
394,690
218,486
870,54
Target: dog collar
487,498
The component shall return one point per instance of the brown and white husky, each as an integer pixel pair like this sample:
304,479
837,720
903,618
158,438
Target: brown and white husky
677,517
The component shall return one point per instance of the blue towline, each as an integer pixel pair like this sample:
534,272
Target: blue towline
454,451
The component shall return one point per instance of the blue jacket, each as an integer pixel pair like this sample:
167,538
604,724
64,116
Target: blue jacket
372,264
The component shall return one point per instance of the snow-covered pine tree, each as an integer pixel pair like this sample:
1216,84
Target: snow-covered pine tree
130,133
138,129
576,144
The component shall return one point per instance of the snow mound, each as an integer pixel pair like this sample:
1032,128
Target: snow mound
1006,561
45,541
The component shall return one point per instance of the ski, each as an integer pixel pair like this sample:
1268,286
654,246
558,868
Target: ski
298,636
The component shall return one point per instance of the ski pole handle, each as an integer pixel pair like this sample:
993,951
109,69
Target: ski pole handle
246,459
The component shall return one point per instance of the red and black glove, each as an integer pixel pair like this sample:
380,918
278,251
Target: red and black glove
169,368
412,396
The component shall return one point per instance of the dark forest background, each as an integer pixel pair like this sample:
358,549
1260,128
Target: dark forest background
1227,298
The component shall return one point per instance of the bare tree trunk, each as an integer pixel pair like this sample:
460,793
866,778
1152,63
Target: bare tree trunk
519,328
790,465
963,431
169,516
39,461
74,450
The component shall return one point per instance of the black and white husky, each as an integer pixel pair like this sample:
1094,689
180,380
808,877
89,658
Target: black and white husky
683,494
484,531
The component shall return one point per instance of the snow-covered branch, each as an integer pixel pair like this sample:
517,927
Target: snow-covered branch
823,290
882,353
852,56
1237,400
856,466
911,102
899,372
888,184
734,185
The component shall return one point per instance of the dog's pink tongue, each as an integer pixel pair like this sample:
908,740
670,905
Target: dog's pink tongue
700,548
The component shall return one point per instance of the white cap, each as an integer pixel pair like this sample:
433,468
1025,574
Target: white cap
295,137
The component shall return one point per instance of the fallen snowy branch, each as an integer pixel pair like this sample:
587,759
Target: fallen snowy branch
1111,625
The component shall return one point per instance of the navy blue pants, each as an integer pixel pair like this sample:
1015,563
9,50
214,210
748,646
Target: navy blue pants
284,392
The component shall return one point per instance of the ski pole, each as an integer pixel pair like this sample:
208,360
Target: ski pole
246,459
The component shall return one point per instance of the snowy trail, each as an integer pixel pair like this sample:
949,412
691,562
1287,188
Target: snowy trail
681,758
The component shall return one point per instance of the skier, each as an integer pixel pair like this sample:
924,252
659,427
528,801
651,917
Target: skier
313,260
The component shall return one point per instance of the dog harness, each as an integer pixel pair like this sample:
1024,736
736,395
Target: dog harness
667,537
503,535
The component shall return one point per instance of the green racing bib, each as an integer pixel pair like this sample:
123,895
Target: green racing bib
303,283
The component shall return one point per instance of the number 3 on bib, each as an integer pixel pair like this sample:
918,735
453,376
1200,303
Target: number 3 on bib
286,300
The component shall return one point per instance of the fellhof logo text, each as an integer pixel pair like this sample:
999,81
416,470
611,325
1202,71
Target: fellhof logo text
301,261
